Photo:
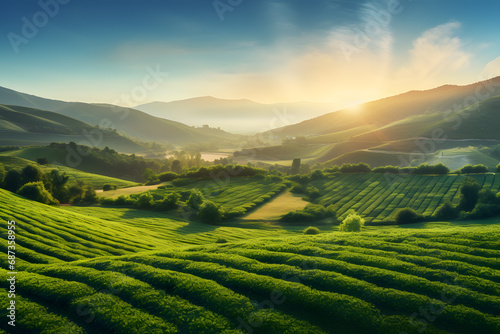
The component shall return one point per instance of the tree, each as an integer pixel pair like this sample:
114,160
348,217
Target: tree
57,186
295,166
498,169
75,193
144,201
170,202
476,169
176,166
209,213
2,174
12,180
149,176
31,173
167,176
89,195
447,211
407,216
37,192
195,199
352,223
469,195
42,161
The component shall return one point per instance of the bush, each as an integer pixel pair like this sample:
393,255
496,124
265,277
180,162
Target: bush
447,211
2,174
432,169
355,168
31,173
170,202
144,201
469,195
42,161
220,241
311,212
209,213
407,216
312,230
352,223
36,191
476,169
12,180
108,187
313,193
167,176
298,189
498,169
195,199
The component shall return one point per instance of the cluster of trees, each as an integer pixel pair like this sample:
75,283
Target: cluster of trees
49,188
146,200
475,203
312,212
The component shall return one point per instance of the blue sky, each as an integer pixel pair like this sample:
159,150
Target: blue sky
337,51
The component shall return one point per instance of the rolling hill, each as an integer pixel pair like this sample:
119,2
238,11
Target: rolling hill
395,130
242,116
132,271
129,121
28,126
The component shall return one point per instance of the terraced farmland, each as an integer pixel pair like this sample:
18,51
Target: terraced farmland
377,197
234,195
385,281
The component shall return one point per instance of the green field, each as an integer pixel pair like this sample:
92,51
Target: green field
95,180
95,270
377,197
236,195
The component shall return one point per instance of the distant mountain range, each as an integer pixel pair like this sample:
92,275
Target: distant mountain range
29,126
240,116
391,130
132,122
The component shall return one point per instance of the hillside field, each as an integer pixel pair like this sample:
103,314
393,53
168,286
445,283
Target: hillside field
377,197
96,270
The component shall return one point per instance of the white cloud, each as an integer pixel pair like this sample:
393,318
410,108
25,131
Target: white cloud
436,55
491,70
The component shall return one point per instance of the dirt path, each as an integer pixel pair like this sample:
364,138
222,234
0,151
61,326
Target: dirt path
277,207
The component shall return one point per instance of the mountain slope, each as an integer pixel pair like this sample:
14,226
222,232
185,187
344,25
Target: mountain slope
242,116
132,122
385,111
28,126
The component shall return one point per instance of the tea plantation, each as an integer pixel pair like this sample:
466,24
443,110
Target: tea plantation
112,270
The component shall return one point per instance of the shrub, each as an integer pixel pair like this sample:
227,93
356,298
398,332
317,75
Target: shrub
170,202
352,223
108,187
209,213
89,195
42,161
311,212
195,199
12,180
298,189
313,193
407,216
312,230
37,192
2,174
355,168
31,173
432,169
144,201
386,169
498,169
149,176
447,211
476,169
167,176
469,195
220,240
317,174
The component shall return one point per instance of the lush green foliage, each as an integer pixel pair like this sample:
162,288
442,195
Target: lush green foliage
476,169
312,230
37,192
312,212
352,223
407,216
